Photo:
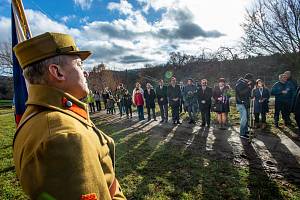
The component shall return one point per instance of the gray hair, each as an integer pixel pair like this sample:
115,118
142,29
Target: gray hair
281,76
35,73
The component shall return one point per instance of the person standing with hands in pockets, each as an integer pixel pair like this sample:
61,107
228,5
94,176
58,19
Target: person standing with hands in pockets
261,96
174,95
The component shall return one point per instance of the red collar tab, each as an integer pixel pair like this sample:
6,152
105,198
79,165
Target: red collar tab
74,108
91,196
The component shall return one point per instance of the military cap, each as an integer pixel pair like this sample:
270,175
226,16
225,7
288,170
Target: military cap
45,46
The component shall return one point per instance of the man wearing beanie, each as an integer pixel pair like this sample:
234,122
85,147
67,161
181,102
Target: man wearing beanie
58,152
243,90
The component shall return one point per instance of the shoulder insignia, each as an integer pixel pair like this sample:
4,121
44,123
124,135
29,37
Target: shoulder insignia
91,196
74,108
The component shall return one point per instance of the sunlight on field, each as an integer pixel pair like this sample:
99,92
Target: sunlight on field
155,163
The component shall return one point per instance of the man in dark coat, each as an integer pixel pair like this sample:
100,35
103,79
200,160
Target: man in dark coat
261,96
120,92
128,103
162,99
182,105
149,95
243,90
293,85
283,96
296,108
204,101
174,95
190,99
105,96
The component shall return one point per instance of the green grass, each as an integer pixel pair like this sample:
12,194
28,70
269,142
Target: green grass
9,186
5,103
149,168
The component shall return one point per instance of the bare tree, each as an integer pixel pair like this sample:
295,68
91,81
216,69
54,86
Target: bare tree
273,26
227,53
6,62
100,77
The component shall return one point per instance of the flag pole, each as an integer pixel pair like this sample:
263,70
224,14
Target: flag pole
19,31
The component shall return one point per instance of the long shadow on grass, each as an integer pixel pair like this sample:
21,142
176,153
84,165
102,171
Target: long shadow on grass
133,159
221,179
287,164
259,183
292,137
169,172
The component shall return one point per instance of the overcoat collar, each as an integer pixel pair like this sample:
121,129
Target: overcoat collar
55,99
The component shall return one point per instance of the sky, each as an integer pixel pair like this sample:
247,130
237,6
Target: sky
129,34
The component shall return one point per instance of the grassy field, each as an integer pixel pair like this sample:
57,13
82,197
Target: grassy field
152,169
5,103
9,186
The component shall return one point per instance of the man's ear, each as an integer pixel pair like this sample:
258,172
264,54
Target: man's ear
56,72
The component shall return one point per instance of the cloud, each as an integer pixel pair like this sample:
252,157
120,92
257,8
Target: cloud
133,39
178,23
66,19
123,7
110,30
40,23
5,29
131,59
84,4
84,20
104,50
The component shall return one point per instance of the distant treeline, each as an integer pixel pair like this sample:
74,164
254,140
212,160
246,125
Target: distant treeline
266,68
6,87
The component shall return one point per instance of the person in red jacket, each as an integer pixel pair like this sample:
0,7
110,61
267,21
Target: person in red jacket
139,102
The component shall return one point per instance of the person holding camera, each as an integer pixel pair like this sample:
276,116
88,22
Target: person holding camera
243,90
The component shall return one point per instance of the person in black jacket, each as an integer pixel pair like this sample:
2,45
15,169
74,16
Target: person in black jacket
174,96
283,93
182,105
105,96
243,90
149,95
296,108
204,102
128,103
162,99
261,96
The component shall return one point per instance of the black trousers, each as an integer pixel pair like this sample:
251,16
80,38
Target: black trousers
163,111
128,110
92,107
297,118
205,115
284,109
175,113
105,103
149,113
98,105
263,117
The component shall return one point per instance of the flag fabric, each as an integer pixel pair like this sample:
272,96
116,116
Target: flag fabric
20,32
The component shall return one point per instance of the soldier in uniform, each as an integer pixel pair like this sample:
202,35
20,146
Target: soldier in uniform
58,152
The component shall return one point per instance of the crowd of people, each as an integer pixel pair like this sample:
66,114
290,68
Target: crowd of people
252,101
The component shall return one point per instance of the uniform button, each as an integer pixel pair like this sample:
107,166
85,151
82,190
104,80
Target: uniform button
69,104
